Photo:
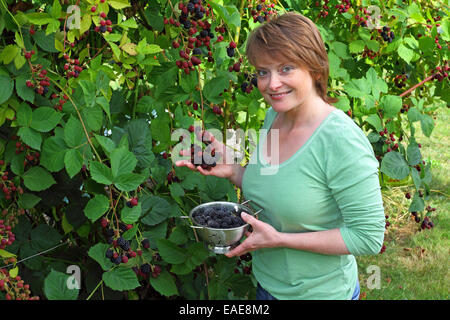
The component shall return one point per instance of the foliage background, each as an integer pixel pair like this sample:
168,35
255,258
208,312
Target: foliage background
78,158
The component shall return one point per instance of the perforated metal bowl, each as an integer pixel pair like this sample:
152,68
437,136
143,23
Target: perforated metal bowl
220,240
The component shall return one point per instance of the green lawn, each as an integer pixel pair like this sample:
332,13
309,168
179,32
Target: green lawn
415,263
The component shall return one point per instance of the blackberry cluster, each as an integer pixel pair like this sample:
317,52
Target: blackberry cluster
218,217
387,35
197,154
121,251
249,83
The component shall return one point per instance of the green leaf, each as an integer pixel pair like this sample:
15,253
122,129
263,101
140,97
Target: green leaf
119,4
28,200
170,252
155,209
45,41
6,87
128,181
391,105
73,133
107,144
131,215
375,121
98,253
356,46
416,178
24,92
214,87
395,166
31,137
378,85
96,207
53,153
164,284
229,13
73,161
9,53
140,141
38,179
122,161
417,203
44,237
39,18
121,279
56,287
101,173
427,124
45,119
89,89
413,154
405,53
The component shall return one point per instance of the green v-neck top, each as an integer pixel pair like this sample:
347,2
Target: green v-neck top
330,182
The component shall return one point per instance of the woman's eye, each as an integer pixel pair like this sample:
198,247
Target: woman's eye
261,73
286,68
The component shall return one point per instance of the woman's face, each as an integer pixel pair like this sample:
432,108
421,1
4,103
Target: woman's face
284,85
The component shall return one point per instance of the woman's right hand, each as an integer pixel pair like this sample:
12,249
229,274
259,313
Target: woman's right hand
222,169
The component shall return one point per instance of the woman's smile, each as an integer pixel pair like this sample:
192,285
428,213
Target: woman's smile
280,95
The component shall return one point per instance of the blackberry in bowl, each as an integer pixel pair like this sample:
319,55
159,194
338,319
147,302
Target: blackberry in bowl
219,224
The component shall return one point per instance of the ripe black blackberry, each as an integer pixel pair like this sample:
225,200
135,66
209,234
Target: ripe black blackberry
145,243
146,268
230,52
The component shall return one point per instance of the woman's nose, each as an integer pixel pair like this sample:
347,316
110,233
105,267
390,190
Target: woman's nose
274,82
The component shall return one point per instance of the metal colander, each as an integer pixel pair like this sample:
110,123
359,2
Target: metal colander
220,240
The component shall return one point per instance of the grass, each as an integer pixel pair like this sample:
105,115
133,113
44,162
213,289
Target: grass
415,263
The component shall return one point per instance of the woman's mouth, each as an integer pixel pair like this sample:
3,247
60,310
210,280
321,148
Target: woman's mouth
277,96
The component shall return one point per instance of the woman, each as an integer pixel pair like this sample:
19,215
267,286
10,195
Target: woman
322,204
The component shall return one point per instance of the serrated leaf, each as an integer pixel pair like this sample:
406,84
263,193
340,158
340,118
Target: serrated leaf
121,279
100,173
96,207
98,253
128,181
131,215
38,179
6,87
395,166
164,284
170,252
53,153
73,133
31,137
56,287
122,161
45,119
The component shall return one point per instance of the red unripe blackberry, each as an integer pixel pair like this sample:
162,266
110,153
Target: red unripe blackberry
134,202
233,45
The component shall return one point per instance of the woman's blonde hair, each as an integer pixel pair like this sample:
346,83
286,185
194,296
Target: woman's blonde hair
296,38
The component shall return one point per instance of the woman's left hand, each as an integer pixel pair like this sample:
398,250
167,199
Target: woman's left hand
262,236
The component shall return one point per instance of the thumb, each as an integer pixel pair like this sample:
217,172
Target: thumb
249,218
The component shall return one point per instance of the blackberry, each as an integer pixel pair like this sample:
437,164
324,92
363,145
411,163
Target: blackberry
145,243
103,29
197,51
190,6
230,52
117,260
146,268
124,244
109,253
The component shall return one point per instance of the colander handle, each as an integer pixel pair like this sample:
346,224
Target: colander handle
196,227
247,201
